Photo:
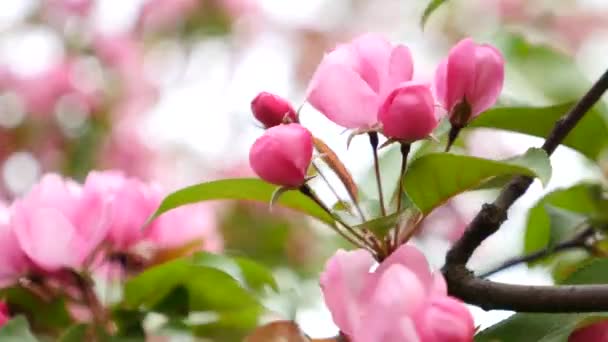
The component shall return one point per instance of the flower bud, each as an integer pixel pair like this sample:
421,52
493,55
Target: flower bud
469,80
282,155
272,110
408,113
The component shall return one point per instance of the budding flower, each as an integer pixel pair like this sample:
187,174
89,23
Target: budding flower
468,82
408,113
272,110
282,155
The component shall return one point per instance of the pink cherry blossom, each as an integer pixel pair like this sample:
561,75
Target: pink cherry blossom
595,332
13,262
272,110
353,80
4,314
472,73
132,203
400,301
185,225
408,113
282,155
161,14
58,224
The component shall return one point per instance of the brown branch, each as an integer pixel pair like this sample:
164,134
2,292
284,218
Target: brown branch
578,241
493,295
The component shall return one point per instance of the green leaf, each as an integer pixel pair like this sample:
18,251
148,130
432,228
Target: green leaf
241,189
75,333
430,8
382,225
582,199
17,330
249,273
42,315
539,121
434,178
591,272
207,289
528,327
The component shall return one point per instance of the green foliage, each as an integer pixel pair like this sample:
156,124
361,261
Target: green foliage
430,8
17,330
590,272
569,207
538,121
227,288
43,315
434,178
529,327
75,333
241,189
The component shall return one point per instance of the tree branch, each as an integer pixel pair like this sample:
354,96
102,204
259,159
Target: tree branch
492,295
578,241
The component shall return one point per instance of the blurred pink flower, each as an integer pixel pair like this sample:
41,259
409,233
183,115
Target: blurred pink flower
282,155
163,14
365,71
13,262
445,222
58,224
132,203
73,7
237,8
184,225
408,113
595,332
472,74
4,314
40,92
400,301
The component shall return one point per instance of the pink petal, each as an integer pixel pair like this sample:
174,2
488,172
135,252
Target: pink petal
373,52
341,283
446,319
411,258
92,224
460,72
489,78
400,69
440,84
398,295
45,235
595,332
344,97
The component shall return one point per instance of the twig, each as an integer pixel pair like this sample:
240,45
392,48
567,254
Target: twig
373,140
405,150
492,295
578,241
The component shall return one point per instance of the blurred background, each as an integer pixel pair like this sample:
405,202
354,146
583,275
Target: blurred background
161,89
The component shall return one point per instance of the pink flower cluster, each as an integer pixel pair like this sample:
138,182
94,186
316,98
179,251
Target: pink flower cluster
400,301
61,224
367,85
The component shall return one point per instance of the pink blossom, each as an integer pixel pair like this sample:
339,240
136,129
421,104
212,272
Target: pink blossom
58,224
41,91
400,301
595,332
408,113
196,223
132,203
272,110
282,155
4,314
471,75
162,14
75,7
13,262
353,80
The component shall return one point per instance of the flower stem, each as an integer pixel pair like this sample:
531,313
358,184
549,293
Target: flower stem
358,240
373,140
405,150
